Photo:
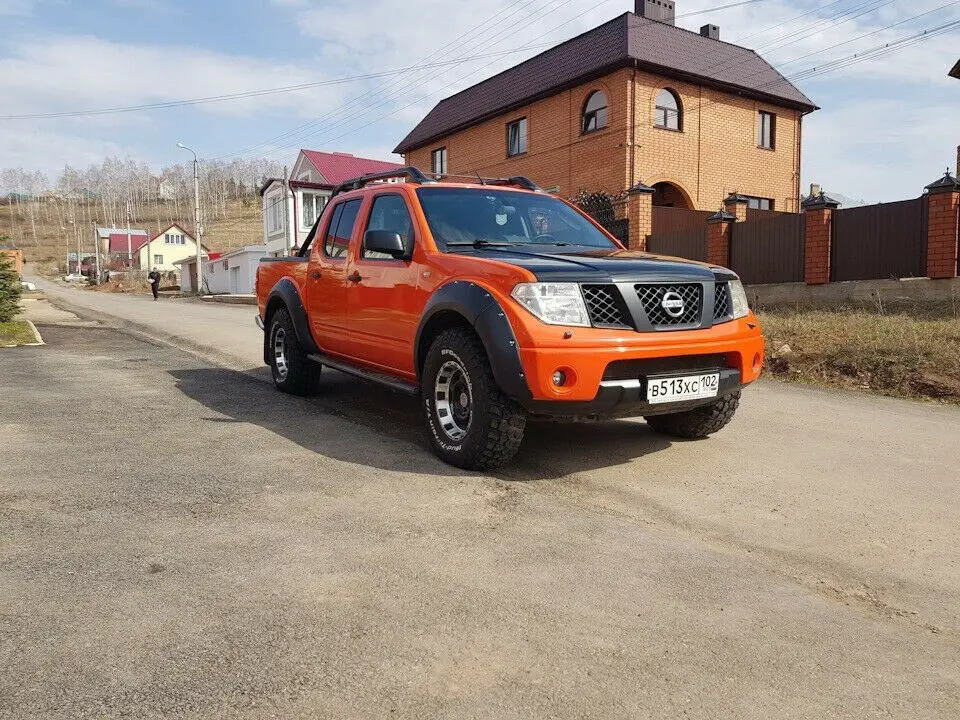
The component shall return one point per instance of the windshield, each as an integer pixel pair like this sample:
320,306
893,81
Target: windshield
488,216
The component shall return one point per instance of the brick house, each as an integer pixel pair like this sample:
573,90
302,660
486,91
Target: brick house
635,100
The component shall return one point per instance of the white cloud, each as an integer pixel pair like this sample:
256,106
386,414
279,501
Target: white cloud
49,151
16,7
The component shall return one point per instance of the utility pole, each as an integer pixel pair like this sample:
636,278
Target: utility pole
129,246
196,216
96,250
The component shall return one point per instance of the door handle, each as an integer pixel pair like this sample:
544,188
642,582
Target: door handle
354,277
315,274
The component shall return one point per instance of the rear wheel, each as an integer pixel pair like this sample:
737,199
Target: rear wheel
293,372
471,423
700,422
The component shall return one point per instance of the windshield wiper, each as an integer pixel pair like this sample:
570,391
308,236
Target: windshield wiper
479,244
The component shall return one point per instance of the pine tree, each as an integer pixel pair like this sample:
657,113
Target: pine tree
10,288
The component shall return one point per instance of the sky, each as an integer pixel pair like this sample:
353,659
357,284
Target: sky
888,125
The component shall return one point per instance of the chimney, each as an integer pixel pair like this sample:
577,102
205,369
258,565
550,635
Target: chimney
710,31
814,190
659,10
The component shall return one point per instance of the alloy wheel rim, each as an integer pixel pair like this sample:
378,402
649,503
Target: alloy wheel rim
280,353
453,400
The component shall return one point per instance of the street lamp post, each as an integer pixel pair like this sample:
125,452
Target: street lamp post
196,215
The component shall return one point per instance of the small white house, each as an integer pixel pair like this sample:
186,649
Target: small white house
291,205
234,272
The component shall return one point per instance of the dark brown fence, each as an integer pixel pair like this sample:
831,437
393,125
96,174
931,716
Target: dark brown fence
880,241
754,214
690,243
669,219
769,250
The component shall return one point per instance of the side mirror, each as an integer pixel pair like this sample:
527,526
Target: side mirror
384,241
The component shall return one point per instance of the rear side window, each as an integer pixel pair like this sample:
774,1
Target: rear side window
337,241
390,212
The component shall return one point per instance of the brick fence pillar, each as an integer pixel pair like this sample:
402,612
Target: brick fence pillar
719,229
943,228
819,233
736,205
640,215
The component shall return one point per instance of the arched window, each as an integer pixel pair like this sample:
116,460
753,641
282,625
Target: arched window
668,114
595,112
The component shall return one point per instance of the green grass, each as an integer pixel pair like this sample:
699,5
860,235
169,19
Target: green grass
907,351
16,332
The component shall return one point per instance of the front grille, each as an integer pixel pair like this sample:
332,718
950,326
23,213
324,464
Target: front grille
721,301
603,306
651,297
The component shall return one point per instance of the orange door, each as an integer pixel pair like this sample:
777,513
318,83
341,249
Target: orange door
384,300
326,299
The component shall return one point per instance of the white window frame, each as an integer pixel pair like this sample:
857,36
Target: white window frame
523,137
441,155
766,130
312,199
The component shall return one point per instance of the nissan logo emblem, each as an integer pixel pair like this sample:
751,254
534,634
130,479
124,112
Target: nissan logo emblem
672,304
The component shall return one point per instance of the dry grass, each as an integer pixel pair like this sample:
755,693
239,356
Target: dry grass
16,332
907,351
242,226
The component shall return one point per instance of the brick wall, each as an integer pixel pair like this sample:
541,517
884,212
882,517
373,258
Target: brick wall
715,154
817,250
942,232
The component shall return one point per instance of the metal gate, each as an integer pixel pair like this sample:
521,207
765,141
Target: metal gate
880,241
690,244
769,249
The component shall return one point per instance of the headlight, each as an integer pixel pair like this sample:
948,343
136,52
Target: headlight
553,303
738,299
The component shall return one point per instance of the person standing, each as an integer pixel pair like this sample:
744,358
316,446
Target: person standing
154,278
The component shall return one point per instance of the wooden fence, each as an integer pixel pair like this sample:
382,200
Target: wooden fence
880,241
770,248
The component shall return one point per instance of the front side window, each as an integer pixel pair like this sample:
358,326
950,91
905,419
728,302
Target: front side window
439,161
766,130
389,212
517,137
466,217
337,241
595,112
667,114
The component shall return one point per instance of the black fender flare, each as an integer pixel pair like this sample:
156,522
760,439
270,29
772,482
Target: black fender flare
484,313
285,292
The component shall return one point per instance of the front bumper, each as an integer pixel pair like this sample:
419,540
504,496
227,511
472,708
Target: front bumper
607,372
259,321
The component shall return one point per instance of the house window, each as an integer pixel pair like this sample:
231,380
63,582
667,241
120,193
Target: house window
439,161
668,114
174,239
337,241
767,130
595,112
158,259
517,137
759,203
313,205
275,212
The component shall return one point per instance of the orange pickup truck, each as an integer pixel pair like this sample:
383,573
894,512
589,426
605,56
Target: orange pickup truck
492,300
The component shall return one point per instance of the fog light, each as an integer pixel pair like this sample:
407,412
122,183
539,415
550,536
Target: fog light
559,378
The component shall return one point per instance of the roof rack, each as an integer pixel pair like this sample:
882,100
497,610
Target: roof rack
410,173
516,181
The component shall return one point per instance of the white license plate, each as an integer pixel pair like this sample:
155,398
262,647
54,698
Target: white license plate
678,389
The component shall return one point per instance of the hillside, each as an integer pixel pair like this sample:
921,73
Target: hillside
45,229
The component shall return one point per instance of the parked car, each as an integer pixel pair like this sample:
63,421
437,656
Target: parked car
27,285
492,300
74,277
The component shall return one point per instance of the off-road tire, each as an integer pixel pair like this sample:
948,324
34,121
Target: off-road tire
301,375
496,424
698,423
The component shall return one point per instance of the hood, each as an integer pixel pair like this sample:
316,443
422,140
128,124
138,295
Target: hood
599,265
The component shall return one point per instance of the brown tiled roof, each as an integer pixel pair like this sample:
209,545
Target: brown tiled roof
625,41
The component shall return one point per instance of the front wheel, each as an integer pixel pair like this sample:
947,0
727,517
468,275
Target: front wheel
293,372
472,424
700,422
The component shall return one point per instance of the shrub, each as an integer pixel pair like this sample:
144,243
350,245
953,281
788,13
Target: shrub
10,289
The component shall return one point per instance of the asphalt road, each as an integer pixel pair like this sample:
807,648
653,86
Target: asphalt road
179,540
